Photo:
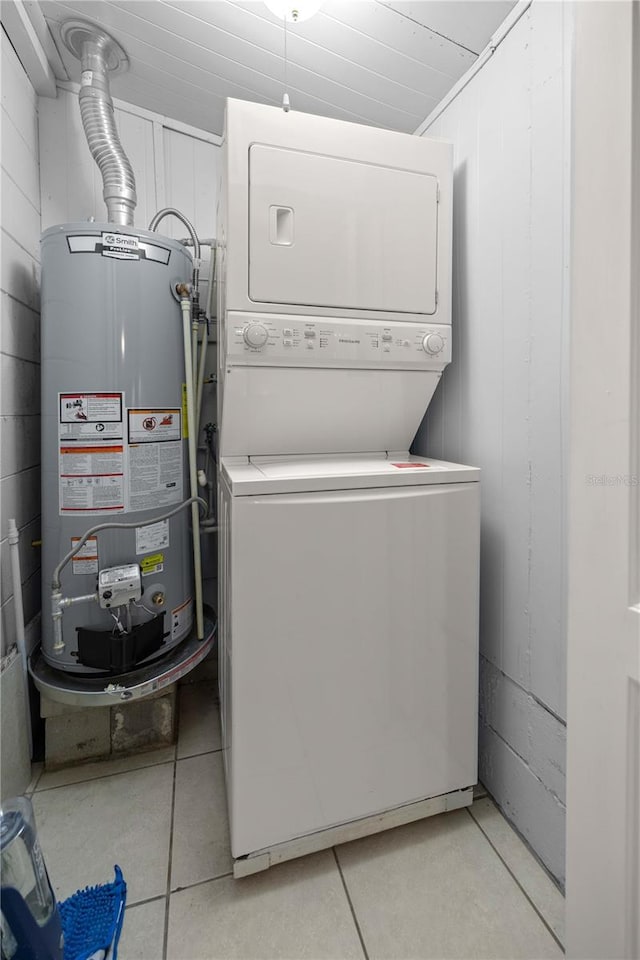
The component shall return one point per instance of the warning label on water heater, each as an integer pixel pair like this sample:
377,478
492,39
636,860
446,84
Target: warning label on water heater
91,479
154,426
86,559
155,536
91,465
86,416
155,458
153,564
181,618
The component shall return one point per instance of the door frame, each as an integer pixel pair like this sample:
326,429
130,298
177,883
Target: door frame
603,723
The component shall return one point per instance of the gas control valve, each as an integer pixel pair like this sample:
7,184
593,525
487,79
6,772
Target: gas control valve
118,586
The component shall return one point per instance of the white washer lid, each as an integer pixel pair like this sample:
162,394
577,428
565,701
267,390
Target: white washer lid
262,475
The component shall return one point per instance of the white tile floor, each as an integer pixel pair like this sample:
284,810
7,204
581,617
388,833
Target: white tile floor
458,885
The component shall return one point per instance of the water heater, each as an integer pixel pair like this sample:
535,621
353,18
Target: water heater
114,445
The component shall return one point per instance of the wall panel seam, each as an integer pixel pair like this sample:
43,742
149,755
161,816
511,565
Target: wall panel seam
33,363
30,255
12,296
11,120
17,473
526,763
529,693
20,190
16,356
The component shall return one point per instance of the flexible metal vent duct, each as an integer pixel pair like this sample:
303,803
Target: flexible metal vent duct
100,55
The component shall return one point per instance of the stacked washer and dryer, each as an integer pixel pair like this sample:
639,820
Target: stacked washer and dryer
348,591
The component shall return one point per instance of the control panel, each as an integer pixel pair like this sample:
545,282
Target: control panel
119,585
289,340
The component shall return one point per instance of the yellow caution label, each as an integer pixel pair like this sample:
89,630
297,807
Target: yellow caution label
185,419
152,564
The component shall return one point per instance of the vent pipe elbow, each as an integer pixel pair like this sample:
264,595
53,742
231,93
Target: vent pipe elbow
100,55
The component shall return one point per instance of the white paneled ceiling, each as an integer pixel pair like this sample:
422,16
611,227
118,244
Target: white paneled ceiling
382,63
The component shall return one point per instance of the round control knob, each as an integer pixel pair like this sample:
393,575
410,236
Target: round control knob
433,343
255,335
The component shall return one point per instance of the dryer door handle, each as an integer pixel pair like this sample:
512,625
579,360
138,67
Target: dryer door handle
281,226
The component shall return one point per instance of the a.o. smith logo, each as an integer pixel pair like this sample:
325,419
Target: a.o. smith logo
120,240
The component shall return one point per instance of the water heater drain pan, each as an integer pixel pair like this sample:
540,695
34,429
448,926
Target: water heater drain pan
85,691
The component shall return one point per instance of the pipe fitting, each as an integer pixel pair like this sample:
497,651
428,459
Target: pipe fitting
56,615
13,532
173,212
71,601
58,606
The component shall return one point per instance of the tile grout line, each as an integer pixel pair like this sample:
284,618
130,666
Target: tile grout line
523,840
205,753
516,881
103,776
142,903
167,895
35,783
351,907
199,883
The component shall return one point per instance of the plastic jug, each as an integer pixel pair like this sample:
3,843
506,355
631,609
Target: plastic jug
30,925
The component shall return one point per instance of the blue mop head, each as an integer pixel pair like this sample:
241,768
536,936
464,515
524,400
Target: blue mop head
92,919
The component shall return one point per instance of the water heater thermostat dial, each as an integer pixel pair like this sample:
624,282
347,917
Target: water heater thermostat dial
255,335
433,343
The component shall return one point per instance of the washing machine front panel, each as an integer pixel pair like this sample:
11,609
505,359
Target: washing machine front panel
354,668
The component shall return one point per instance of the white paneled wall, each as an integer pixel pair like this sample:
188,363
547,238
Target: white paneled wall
502,404
173,167
70,180
20,335
19,397
191,186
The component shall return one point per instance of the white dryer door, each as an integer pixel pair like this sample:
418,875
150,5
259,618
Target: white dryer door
330,232
353,653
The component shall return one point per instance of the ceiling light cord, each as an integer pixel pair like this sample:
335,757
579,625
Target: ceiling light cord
285,97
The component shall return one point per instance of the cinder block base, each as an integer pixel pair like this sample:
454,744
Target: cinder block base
79,734
144,724
71,738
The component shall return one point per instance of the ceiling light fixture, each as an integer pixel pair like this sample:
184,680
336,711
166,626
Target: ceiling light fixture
293,11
